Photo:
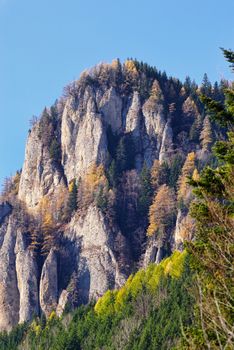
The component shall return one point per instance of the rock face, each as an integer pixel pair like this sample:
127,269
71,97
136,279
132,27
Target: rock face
9,293
184,229
92,250
167,144
84,142
49,284
133,117
18,277
27,280
153,253
97,266
39,175
83,138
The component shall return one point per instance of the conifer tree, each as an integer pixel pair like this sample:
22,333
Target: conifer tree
212,254
156,92
216,93
188,84
125,156
155,172
195,130
112,174
206,87
145,190
72,198
101,198
121,156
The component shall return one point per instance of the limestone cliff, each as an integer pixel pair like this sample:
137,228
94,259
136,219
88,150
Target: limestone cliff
110,124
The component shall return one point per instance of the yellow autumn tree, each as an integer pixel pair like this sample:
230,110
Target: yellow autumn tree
161,211
184,190
131,74
206,135
195,175
155,173
156,92
130,67
45,234
48,232
90,186
155,99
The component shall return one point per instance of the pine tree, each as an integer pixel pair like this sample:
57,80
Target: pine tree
112,174
155,173
145,190
101,198
45,131
212,254
164,173
195,130
55,151
188,85
121,156
206,87
125,154
216,93
72,198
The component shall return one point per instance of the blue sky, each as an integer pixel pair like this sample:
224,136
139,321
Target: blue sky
45,44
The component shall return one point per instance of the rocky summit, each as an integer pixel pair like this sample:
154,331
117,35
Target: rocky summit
79,217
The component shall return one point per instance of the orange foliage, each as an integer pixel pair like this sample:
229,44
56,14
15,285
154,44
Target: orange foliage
184,190
161,209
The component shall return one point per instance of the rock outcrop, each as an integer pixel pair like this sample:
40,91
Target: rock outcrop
27,280
9,293
83,138
97,265
93,256
40,176
93,249
49,284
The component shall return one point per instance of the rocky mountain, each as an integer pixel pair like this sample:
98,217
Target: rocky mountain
74,222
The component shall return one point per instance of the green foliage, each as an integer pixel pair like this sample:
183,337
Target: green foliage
169,173
48,133
101,198
125,154
175,171
145,191
14,338
164,173
55,151
212,254
195,130
72,198
206,87
145,313
112,174
229,55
